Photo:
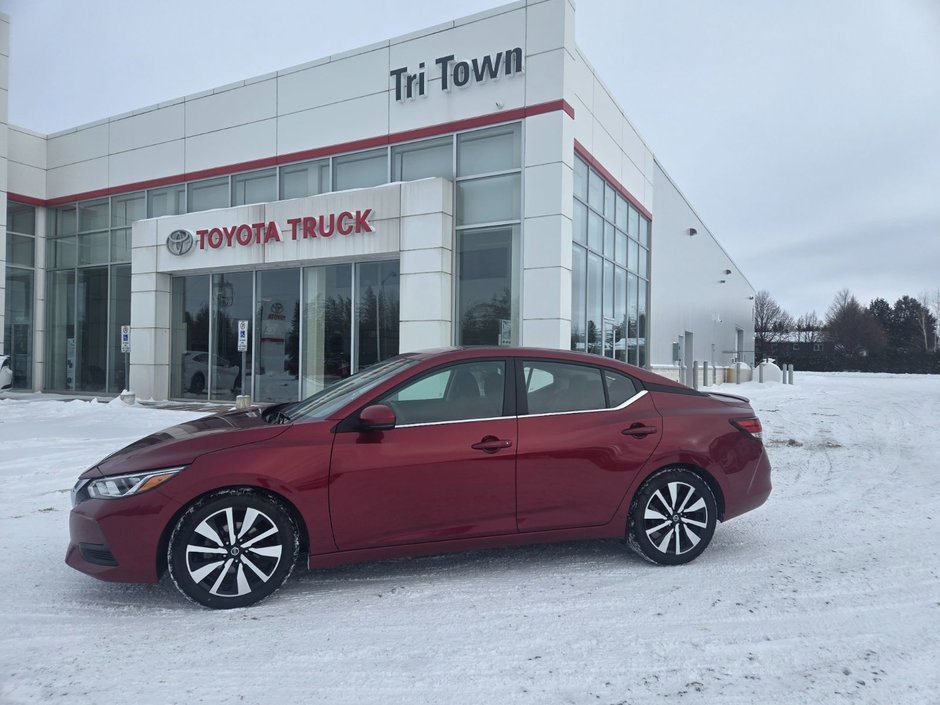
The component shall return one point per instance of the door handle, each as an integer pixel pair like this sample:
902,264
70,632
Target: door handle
639,430
491,444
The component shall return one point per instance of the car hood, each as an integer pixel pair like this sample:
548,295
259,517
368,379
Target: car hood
180,445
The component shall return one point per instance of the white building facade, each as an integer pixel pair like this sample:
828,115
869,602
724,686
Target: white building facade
473,183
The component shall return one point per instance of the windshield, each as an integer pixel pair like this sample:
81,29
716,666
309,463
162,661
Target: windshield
330,399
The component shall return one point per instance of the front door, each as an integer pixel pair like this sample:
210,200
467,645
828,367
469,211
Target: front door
446,471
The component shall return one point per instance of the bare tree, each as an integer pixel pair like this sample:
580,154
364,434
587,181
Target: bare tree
771,323
808,328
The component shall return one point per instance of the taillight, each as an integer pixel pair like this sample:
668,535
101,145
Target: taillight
750,425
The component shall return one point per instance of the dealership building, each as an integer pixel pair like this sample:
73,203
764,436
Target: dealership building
473,183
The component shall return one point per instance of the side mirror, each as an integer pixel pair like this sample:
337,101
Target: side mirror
377,417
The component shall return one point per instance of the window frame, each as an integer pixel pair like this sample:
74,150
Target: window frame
522,399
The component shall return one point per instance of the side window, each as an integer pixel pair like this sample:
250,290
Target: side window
471,390
619,388
554,387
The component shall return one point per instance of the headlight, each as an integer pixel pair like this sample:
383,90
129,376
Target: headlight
118,486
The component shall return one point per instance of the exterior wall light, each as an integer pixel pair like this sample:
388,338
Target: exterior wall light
692,232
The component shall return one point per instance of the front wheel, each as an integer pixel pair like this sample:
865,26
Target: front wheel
672,517
232,548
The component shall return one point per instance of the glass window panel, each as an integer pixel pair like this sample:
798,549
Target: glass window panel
633,223
610,200
620,250
580,179
633,259
60,331
21,219
619,388
65,220
93,215
632,313
377,311
490,200
644,232
231,302
595,289
91,330
126,209
578,298
595,231
18,326
472,390
189,336
208,194
360,170
421,160
642,262
60,253
327,355
608,289
621,219
642,297
572,387
609,240
276,335
121,245
486,292
596,191
579,226
120,316
93,248
21,250
307,179
254,187
166,201
490,150
620,312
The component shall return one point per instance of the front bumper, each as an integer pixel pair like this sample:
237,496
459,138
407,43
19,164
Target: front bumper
119,539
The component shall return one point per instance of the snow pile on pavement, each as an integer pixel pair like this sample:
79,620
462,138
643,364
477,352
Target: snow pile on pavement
829,593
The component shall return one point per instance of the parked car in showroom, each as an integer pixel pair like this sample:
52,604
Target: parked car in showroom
427,452
6,373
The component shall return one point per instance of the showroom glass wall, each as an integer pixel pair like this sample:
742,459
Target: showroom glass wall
309,326
609,271
20,282
89,252
88,292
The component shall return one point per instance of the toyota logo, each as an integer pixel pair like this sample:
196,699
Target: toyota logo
277,307
179,242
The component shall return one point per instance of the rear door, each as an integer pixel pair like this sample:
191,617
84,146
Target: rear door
584,432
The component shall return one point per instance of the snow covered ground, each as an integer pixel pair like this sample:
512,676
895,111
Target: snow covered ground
829,593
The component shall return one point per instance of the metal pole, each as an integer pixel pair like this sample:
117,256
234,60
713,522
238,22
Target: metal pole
760,373
127,367
695,374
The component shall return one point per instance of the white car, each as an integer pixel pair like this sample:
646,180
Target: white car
196,372
6,373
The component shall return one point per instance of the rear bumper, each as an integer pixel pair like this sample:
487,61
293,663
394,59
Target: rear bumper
752,490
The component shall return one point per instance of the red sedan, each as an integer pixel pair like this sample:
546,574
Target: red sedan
428,452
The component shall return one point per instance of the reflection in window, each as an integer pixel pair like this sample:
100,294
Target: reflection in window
254,187
327,355
472,390
361,170
276,335
231,300
307,179
189,372
486,299
377,311
208,194
420,160
166,201
554,387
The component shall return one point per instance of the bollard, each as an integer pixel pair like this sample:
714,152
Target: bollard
760,373
243,401
695,375
737,373
705,373
790,374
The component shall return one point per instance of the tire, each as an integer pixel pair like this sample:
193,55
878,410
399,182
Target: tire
672,517
197,385
232,548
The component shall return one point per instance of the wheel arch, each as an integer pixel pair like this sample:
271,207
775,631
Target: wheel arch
706,476
163,545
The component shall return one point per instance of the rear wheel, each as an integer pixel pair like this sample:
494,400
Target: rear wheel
672,517
232,548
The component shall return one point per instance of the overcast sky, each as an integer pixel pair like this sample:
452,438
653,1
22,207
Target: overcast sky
805,133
